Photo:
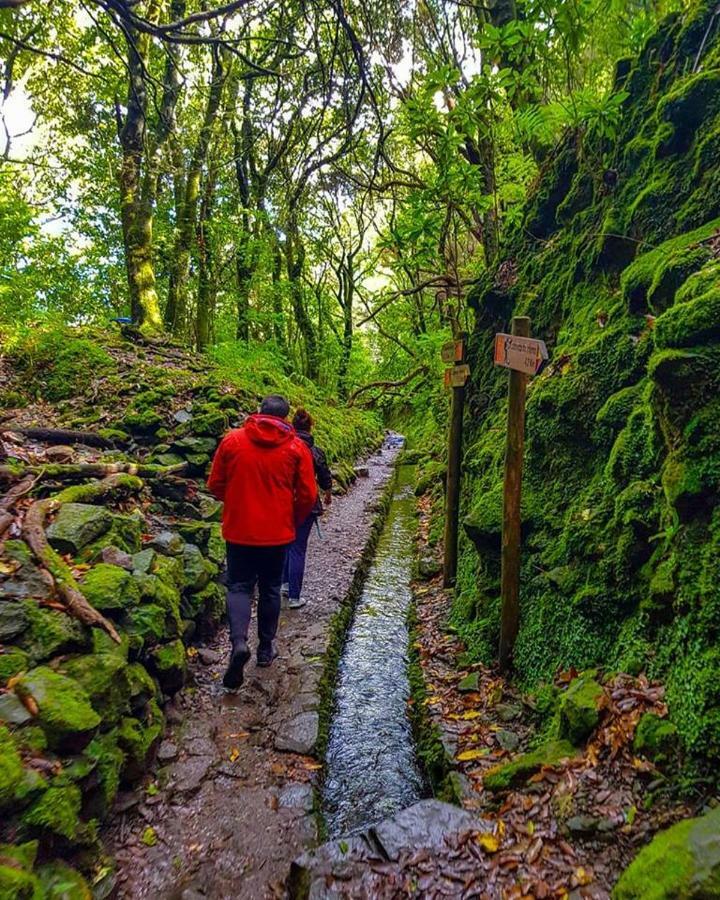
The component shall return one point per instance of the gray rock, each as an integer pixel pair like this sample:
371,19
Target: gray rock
116,557
13,618
182,416
209,657
194,445
77,525
190,773
167,751
589,825
506,712
297,796
27,582
169,543
197,573
362,471
143,561
210,508
12,710
426,825
299,735
201,746
508,740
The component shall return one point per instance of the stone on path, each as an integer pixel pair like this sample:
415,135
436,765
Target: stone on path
425,825
190,773
167,751
297,796
470,683
298,735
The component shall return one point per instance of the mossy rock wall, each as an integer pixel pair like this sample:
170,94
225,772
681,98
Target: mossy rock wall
621,523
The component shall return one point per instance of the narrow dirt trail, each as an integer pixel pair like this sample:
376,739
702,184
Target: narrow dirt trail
232,803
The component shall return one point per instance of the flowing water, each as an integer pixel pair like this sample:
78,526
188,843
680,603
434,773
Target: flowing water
372,771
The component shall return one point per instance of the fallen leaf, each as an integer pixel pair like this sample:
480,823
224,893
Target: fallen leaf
468,755
489,842
234,753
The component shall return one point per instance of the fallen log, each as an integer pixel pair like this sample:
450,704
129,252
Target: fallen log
34,534
11,497
66,436
72,471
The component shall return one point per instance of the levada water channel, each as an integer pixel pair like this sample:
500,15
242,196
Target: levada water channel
371,768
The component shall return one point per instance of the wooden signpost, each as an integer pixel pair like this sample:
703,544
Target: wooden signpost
524,356
455,378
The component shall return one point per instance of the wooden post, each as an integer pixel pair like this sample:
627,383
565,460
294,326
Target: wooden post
510,585
452,492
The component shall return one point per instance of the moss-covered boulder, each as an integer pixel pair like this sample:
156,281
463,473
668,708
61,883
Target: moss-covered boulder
12,663
27,580
656,738
125,534
681,863
139,740
104,678
108,587
579,710
107,759
517,772
17,881
143,423
11,768
169,664
77,525
50,633
56,811
64,709
197,570
59,881
212,421
207,606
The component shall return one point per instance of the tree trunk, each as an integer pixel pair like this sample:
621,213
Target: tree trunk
295,254
176,309
347,291
206,277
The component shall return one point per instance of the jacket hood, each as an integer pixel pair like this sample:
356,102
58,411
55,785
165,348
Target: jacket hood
307,437
268,431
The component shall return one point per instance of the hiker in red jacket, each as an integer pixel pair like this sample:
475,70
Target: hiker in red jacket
264,475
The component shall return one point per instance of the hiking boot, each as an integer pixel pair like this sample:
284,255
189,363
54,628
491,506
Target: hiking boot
296,602
265,656
233,677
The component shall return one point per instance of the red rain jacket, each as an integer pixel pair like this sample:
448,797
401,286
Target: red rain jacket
264,474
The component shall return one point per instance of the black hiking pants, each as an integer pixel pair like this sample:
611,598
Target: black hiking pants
246,567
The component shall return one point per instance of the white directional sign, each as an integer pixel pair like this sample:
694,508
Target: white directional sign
522,354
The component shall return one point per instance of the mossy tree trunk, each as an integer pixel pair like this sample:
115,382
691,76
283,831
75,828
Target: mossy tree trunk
207,283
139,170
295,258
187,215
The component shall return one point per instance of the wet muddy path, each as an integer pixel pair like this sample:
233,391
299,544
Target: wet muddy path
230,805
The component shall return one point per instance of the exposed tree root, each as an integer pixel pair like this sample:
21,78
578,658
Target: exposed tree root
34,534
79,471
65,436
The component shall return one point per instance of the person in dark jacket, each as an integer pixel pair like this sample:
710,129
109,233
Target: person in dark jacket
264,474
295,561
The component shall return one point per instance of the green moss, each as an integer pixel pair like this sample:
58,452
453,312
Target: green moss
143,423
108,587
512,774
681,863
12,663
64,710
17,881
212,421
60,881
169,664
579,709
104,678
50,633
11,769
108,760
656,738
139,739
57,811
